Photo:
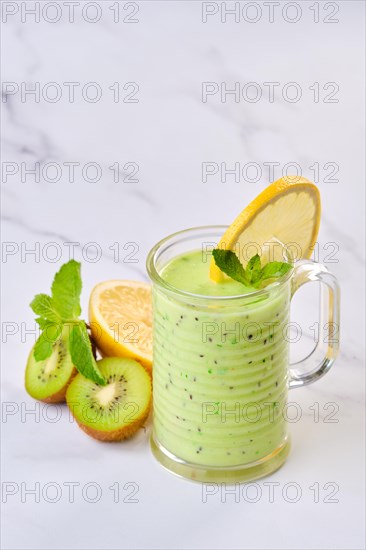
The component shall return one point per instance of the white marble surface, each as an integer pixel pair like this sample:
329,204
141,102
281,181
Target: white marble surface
169,133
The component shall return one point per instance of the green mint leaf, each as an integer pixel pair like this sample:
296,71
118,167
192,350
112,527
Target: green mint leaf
42,349
42,322
51,333
82,355
254,275
274,270
253,269
43,305
229,263
45,324
66,290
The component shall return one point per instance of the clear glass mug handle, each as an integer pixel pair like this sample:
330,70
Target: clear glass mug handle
319,361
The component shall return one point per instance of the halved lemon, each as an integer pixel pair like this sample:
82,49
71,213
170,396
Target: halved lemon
288,211
120,315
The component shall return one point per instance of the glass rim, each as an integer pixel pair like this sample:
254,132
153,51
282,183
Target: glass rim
157,279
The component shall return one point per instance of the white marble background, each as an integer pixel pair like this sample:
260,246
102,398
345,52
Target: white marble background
169,52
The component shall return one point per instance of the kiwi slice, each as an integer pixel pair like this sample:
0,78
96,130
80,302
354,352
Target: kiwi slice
48,380
114,411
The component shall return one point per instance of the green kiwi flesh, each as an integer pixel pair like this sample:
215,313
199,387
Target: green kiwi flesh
48,380
114,411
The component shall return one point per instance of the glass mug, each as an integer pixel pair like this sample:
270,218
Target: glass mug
221,369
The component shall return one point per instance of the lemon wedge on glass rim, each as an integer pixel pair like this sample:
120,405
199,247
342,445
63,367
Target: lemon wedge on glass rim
287,211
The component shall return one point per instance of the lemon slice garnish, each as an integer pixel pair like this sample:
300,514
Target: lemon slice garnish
287,211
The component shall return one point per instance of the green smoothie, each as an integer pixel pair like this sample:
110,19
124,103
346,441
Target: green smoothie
220,366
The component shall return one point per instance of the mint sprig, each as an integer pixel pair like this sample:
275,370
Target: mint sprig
62,309
82,354
43,305
254,274
66,290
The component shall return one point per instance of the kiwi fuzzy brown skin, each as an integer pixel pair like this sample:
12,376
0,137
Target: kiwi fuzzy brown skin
116,435
60,396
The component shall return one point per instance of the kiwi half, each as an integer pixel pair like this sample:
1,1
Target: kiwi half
48,380
115,411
